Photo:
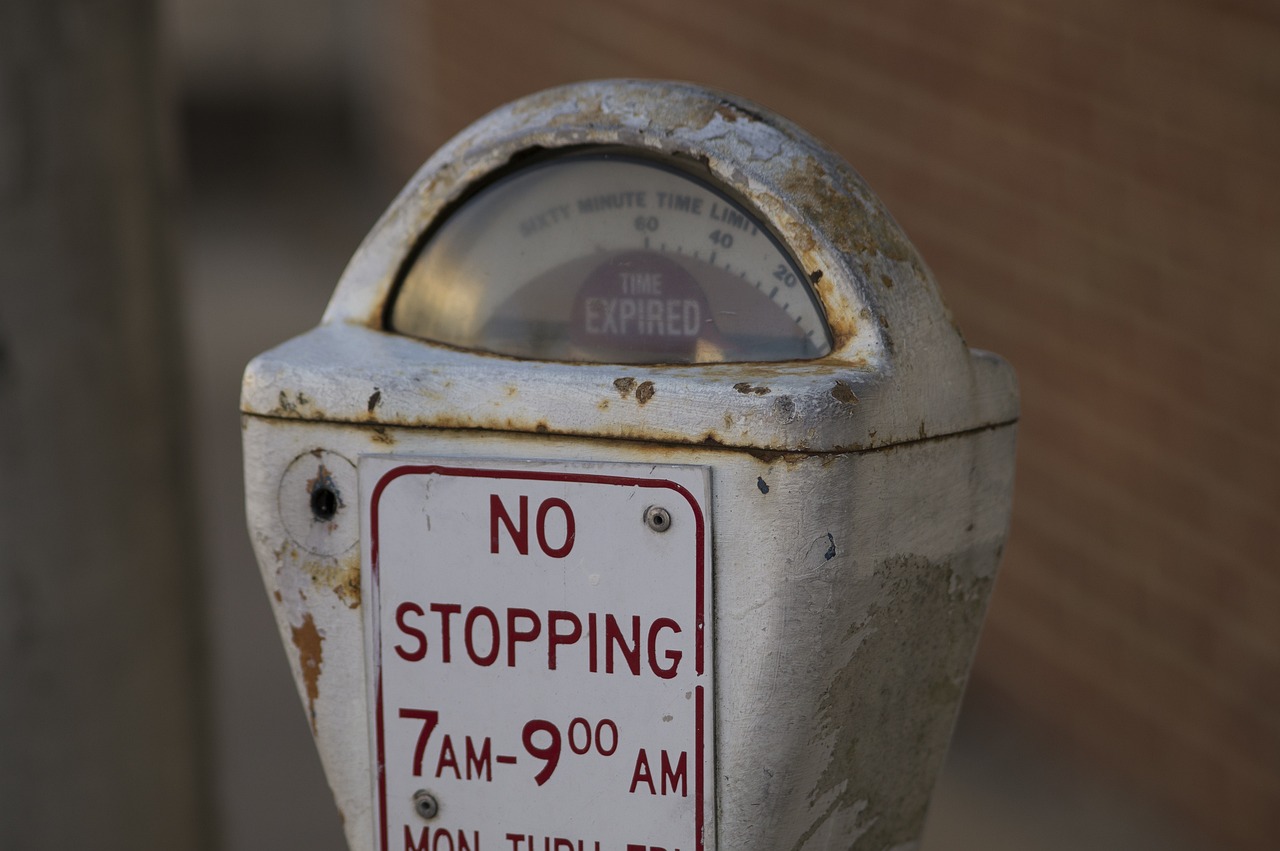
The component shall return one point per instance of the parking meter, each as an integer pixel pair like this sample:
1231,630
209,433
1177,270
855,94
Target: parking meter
635,492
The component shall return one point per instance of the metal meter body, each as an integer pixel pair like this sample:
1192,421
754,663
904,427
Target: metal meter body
635,492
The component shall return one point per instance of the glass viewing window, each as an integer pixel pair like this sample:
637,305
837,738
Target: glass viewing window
601,257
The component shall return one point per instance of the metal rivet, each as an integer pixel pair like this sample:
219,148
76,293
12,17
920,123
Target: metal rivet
657,518
425,804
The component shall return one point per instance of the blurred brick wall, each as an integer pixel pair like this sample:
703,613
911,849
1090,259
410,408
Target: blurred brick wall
1095,185
264,48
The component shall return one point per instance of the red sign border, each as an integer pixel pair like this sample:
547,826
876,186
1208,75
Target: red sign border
540,476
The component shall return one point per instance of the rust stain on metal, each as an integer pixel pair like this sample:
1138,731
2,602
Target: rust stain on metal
768,456
780,407
324,478
855,219
309,642
843,393
292,406
887,281
341,577
383,427
843,324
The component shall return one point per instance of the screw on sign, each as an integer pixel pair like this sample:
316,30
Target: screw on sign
501,598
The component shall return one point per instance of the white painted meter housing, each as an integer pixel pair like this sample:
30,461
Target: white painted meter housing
578,523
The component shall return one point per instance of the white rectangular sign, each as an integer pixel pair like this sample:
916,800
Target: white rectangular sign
539,643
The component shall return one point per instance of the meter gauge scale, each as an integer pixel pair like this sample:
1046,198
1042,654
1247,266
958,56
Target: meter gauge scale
600,257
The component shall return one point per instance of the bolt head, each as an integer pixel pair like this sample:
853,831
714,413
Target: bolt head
657,518
425,804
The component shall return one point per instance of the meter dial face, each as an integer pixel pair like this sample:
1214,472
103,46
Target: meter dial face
607,258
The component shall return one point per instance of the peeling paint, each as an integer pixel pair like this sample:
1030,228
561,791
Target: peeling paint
747,388
292,405
309,643
340,577
843,393
645,391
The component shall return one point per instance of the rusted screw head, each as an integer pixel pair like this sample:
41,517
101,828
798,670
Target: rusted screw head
657,518
425,804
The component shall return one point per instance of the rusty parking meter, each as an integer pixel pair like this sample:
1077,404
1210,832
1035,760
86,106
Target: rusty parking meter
635,492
